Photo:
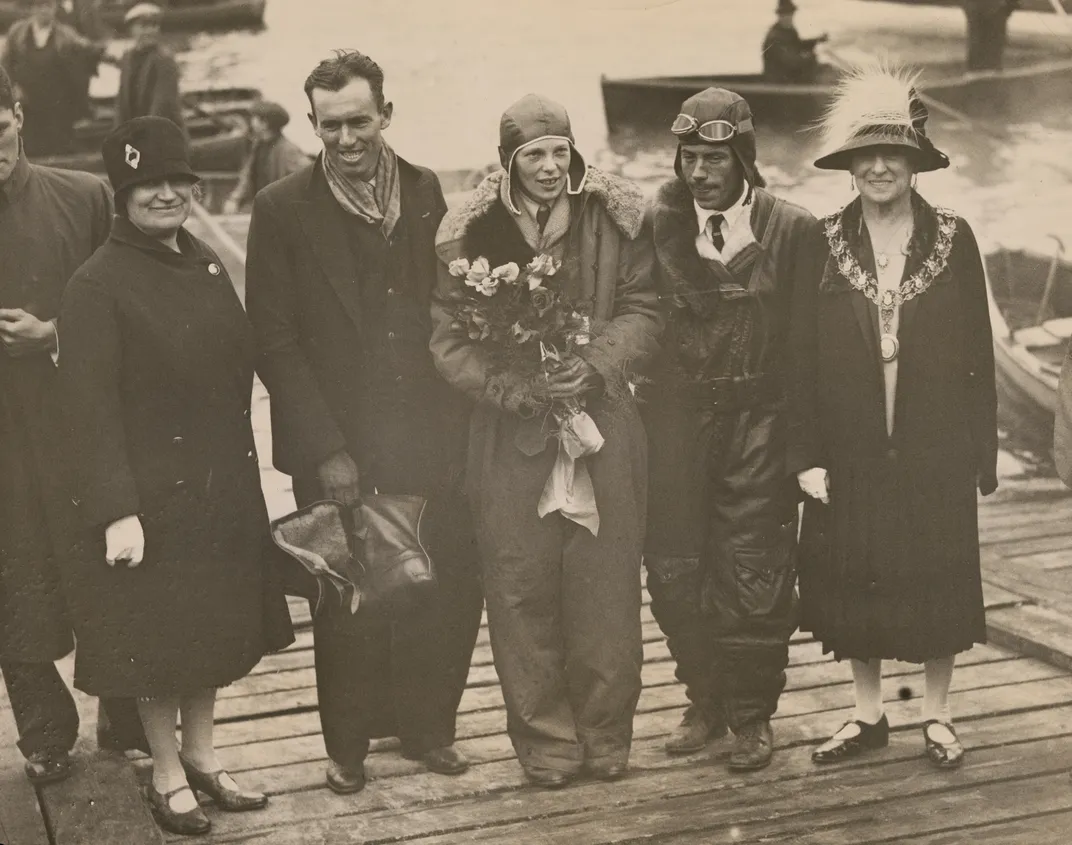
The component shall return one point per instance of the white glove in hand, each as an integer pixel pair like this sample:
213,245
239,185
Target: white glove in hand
815,483
125,541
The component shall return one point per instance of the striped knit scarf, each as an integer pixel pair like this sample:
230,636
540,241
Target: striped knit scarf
379,203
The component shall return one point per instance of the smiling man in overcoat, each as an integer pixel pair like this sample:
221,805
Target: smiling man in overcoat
340,273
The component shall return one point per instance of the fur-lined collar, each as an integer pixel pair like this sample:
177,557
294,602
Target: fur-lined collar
622,200
691,279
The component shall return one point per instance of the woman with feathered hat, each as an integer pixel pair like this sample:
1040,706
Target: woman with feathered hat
893,419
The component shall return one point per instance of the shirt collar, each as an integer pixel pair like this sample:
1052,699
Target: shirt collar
731,214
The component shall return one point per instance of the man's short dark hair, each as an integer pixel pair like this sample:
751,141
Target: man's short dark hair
336,73
7,91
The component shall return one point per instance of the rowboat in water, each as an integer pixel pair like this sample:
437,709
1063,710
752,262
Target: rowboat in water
178,14
217,121
653,102
1030,293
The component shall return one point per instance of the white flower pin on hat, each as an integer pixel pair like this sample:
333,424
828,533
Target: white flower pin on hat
133,157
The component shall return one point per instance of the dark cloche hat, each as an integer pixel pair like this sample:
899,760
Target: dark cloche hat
146,149
876,106
785,7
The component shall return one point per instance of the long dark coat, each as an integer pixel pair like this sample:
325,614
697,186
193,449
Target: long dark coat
890,568
50,222
156,371
345,358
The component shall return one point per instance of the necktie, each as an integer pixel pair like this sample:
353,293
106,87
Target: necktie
543,214
714,231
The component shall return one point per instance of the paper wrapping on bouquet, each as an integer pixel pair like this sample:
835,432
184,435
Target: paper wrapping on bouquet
569,487
371,555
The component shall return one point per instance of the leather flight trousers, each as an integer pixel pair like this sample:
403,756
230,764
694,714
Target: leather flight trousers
721,555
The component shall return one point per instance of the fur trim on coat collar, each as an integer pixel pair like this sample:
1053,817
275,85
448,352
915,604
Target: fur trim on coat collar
690,279
621,198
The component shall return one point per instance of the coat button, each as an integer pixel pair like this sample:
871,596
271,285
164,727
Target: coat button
892,454
178,441
214,269
390,335
245,413
390,291
398,379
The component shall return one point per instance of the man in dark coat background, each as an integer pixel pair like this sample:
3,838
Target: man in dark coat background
271,157
339,278
50,64
148,73
722,509
50,222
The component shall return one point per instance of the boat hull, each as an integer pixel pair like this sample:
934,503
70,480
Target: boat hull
178,15
1015,94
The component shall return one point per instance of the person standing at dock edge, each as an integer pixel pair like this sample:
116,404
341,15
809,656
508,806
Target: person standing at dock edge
50,222
893,419
722,511
50,64
148,73
339,278
563,598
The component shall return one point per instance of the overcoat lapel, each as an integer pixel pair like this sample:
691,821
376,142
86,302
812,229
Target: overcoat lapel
325,228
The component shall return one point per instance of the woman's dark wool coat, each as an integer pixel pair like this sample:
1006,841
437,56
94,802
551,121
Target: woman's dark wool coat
890,568
156,370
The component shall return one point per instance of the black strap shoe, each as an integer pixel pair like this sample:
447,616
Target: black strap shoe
227,799
870,737
944,755
191,823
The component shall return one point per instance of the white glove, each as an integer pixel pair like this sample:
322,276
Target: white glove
125,541
815,483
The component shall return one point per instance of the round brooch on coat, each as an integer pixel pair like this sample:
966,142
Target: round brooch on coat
214,269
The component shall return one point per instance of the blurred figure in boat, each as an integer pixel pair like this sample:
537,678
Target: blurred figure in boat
722,509
50,64
148,72
271,157
893,419
786,56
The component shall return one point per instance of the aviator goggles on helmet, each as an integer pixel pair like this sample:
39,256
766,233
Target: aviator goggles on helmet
713,131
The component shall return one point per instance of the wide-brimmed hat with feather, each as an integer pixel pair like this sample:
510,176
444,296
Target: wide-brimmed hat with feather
877,106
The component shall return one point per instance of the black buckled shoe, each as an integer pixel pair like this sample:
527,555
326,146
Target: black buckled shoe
48,767
695,731
870,737
343,780
943,755
753,748
191,823
227,799
445,760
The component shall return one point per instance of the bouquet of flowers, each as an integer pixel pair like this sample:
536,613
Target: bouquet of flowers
531,330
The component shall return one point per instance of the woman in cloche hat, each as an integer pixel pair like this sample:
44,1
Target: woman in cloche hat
169,592
893,422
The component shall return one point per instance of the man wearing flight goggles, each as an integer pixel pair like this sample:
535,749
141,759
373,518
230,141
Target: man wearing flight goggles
720,548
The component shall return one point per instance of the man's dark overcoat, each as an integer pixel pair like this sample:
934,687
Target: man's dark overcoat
50,222
149,85
890,568
342,317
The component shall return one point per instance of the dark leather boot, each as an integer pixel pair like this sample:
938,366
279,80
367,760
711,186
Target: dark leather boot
343,780
695,731
753,749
